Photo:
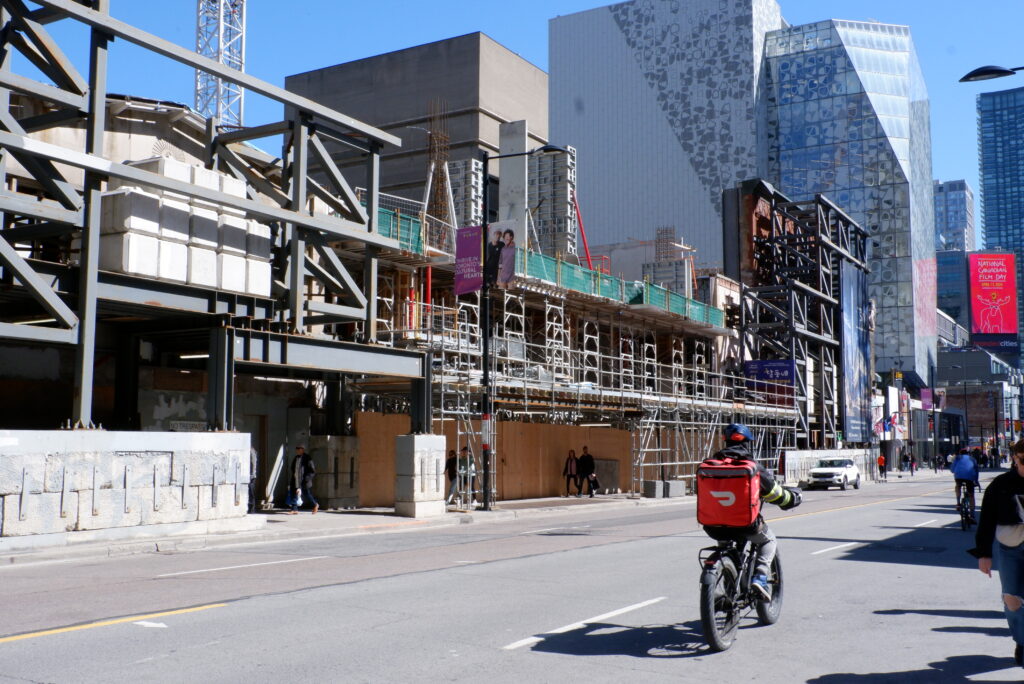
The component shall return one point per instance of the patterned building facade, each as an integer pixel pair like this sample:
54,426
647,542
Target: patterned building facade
664,102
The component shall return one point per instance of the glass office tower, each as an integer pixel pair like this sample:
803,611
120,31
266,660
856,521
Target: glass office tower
954,217
1001,140
848,118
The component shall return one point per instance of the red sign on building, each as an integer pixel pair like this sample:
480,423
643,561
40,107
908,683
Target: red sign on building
993,283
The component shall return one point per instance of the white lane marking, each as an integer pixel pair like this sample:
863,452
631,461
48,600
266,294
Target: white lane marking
835,548
926,522
546,529
467,562
236,567
576,625
146,623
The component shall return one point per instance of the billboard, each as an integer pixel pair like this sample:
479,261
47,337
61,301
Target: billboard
855,380
993,287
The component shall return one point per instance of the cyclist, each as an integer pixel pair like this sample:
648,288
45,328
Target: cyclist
965,470
738,439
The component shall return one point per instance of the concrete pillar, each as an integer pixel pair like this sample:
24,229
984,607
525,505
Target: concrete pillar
419,475
512,191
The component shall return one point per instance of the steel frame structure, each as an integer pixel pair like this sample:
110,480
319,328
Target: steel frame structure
318,288
792,310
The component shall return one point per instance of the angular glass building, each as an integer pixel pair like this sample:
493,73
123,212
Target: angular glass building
848,117
1001,141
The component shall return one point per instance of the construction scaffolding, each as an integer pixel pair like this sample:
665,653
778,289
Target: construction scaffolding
791,300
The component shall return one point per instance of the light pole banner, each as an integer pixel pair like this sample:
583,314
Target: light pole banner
469,275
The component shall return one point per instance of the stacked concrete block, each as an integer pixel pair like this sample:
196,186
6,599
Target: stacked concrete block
230,185
231,272
130,210
552,185
202,267
258,253
233,231
173,261
467,183
133,253
420,482
69,482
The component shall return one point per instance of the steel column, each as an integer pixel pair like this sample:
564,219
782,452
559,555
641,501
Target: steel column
85,352
220,367
370,257
297,191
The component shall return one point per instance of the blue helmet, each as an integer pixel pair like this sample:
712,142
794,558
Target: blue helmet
737,432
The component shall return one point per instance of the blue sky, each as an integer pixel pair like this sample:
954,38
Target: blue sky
951,37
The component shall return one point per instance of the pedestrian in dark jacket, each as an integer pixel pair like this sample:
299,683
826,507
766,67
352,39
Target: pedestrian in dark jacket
301,480
1001,535
587,473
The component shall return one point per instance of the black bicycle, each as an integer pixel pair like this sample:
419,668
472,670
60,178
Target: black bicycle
966,506
726,594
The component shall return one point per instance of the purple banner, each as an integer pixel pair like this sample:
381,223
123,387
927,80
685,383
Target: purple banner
469,274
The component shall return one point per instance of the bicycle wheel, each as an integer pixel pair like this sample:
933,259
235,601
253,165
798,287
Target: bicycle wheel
768,611
719,614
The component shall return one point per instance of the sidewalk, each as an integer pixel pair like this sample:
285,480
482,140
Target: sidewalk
271,526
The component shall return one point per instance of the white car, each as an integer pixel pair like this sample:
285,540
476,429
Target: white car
839,472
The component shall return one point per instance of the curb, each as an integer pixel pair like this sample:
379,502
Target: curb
199,542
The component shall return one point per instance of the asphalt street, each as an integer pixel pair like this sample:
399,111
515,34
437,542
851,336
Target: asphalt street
878,589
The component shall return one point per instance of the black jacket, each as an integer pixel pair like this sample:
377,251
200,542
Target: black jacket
586,465
492,259
998,507
302,472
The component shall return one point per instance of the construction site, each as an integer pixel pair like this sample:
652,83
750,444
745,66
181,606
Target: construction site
160,272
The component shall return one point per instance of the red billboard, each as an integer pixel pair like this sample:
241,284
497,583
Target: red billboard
993,283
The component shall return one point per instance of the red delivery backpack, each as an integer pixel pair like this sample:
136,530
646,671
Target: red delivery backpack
728,493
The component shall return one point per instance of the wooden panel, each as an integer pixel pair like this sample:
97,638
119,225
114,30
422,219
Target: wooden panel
377,432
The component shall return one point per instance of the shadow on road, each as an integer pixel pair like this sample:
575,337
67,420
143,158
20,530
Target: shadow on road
952,669
649,641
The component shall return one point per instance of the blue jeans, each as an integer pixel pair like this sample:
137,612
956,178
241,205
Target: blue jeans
1010,562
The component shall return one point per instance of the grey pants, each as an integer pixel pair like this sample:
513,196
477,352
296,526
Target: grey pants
766,545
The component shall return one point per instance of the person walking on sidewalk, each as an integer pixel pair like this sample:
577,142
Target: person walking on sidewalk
303,472
451,469
587,473
571,473
881,468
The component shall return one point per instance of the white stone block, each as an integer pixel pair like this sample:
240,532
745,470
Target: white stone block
428,487
232,233
231,270
175,217
131,253
420,509
203,227
205,178
202,267
257,244
42,515
163,166
130,209
173,261
230,185
257,277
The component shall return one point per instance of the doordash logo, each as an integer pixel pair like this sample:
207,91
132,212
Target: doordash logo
725,498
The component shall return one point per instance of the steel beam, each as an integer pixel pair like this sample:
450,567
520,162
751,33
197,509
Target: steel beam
119,29
34,333
85,351
333,226
30,86
253,348
370,257
39,290
298,157
220,371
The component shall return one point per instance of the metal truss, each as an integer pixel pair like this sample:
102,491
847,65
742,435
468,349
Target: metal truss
793,309
220,35
317,286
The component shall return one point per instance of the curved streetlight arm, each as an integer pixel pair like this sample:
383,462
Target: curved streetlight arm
988,72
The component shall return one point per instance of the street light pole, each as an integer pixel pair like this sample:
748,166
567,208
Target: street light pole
967,428
487,401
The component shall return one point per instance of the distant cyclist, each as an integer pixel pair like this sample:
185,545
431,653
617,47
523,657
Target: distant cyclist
738,438
965,470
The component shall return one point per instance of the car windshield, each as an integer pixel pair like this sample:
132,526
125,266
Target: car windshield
834,463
